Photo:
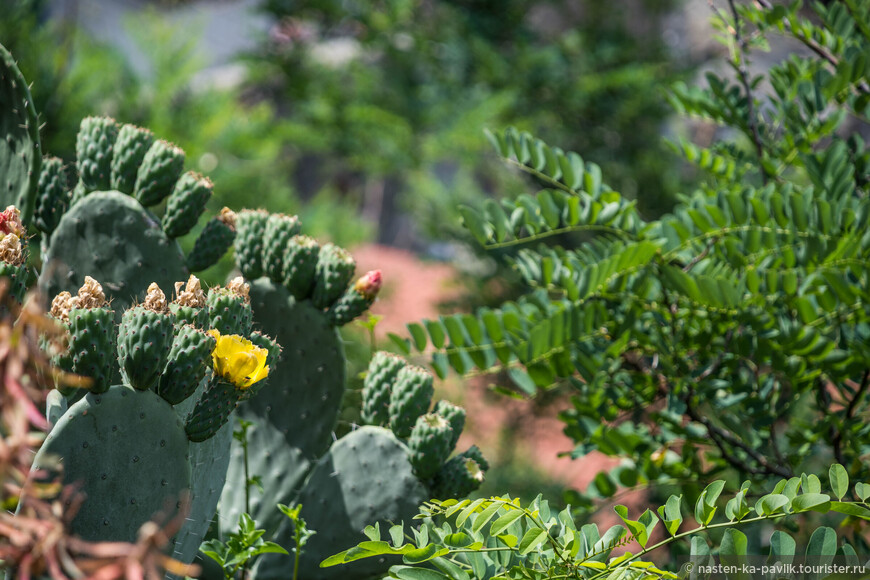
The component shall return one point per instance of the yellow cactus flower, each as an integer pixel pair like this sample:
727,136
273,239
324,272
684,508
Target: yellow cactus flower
238,360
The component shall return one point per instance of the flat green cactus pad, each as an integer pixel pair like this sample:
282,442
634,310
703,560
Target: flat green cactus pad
109,236
282,469
365,477
208,464
127,451
20,154
303,396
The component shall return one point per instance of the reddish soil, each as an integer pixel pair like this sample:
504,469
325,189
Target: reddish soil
413,290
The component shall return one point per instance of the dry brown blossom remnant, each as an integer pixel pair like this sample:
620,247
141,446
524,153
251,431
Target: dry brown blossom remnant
228,217
11,251
61,305
90,295
192,295
155,299
238,286
36,542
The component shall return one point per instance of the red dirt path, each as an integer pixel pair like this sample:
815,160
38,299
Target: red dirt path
412,290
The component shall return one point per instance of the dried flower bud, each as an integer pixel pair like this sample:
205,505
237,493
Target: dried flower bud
11,251
238,286
155,299
228,217
61,306
91,295
192,296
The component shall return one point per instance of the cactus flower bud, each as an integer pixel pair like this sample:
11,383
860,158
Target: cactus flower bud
10,221
370,284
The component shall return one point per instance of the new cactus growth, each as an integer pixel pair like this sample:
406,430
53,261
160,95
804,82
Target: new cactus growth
300,264
455,415
250,231
279,230
187,201
229,309
430,444
52,197
356,299
127,155
144,339
213,242
94,145
160,169
189,306
91,336
377,386
111,234
410,397
334,270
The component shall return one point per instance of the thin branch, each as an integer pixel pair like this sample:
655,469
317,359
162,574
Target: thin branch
721,436
813,45
740,63
837,433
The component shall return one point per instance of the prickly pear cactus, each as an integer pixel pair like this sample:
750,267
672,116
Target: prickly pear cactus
162,437
107,228
20,154
375,473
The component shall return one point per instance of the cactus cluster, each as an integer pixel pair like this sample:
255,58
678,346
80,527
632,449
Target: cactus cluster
399,396
300,293
106,227
162,433
166,376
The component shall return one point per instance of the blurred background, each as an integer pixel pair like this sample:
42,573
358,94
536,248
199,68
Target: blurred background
366,118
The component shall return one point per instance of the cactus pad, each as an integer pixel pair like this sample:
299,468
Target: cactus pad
109,236
20,154
365,477
128,451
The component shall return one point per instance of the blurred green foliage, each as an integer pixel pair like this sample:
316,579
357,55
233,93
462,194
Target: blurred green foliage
393,96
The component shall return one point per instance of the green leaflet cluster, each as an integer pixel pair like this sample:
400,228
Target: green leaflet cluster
753,293
125,175
160,438
500,537
373,473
